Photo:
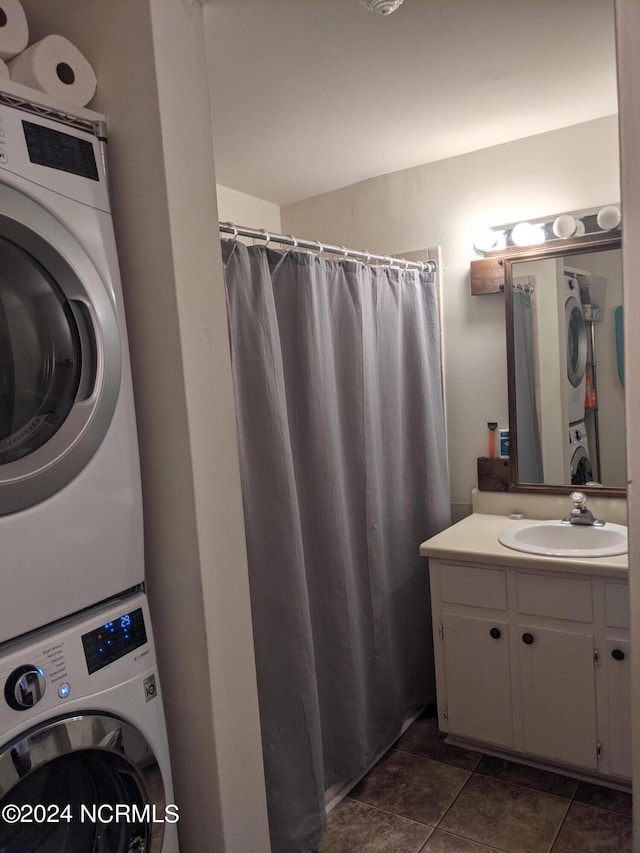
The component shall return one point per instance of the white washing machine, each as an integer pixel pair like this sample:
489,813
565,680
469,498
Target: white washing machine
581,469
70,497
84,759
576,348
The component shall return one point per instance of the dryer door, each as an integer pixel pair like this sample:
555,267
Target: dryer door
576,341
60,355
88,783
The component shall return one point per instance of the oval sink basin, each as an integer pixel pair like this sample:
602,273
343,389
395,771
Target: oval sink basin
554,539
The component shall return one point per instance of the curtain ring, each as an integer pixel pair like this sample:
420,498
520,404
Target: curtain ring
233,228
295,240
345,251
320,247
368,254
389,261
266,236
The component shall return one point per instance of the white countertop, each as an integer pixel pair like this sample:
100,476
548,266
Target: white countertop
475,539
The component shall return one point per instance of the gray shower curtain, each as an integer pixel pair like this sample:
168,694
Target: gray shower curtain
337,381
528,429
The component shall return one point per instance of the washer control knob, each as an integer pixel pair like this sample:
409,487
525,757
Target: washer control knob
25,687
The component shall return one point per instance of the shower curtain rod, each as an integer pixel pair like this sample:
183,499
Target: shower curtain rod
317,246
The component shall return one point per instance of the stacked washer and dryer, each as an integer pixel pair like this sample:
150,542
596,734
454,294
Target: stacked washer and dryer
580,467
84,758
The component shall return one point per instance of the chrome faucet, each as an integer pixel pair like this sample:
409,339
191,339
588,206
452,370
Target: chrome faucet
579,513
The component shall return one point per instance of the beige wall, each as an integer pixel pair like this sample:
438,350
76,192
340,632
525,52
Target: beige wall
627,40
148,54
243,209
442,204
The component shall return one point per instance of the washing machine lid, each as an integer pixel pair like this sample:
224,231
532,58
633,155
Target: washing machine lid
60,354
576,341
64,780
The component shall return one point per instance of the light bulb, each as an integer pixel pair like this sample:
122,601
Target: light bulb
484,240
564,226
501,241
526,234
609,217
580,229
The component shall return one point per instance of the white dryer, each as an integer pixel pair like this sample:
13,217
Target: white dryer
84,758
576,348
70,496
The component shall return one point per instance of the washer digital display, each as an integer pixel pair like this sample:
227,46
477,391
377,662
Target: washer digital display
61,151
114,640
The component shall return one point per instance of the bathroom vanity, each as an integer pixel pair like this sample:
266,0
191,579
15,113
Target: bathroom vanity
531,651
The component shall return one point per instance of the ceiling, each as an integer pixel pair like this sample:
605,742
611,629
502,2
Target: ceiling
312,95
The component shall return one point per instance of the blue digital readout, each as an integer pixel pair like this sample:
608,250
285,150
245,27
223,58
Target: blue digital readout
114,639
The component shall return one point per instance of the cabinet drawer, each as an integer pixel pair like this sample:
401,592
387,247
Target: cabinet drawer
616,605
474,587
557,597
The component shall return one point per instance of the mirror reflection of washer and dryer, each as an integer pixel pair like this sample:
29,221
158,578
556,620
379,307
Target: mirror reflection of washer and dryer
577,338
81,716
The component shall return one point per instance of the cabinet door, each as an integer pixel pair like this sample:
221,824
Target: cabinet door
618,743
476,653
557,685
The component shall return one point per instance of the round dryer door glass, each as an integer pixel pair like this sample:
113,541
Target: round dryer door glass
576,343
40,354
60,354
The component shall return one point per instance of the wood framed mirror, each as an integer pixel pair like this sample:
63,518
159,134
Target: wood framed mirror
563,312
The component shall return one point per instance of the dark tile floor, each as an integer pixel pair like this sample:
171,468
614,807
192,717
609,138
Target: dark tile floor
425,796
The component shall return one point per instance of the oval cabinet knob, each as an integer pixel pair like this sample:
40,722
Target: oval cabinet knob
496,633
527,638
617,654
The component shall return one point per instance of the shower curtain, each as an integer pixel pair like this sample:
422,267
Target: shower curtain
337,382
528,429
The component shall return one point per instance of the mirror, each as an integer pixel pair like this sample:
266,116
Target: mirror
565,370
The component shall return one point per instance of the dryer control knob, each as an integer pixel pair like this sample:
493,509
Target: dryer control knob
25,687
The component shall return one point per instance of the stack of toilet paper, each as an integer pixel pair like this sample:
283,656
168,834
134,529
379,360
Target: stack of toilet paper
52,65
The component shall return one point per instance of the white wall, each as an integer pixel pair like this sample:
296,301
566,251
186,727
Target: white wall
442,204
243,209
147,55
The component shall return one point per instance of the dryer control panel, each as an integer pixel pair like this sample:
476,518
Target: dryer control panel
65,159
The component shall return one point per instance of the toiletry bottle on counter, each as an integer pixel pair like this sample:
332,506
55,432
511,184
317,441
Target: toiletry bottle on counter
492,432
503,442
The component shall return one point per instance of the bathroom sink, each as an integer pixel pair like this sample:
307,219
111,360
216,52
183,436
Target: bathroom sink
554,539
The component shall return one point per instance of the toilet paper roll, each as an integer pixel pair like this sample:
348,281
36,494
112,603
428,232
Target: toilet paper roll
14,30
4,71
57,67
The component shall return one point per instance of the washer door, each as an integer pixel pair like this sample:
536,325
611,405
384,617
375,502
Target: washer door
64,781
581,471
576,341
60,356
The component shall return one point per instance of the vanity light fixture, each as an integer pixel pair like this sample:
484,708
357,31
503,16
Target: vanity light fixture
558,228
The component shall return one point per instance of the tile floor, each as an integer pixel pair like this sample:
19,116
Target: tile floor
425,796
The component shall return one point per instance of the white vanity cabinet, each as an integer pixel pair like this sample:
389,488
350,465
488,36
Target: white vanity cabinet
533,662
